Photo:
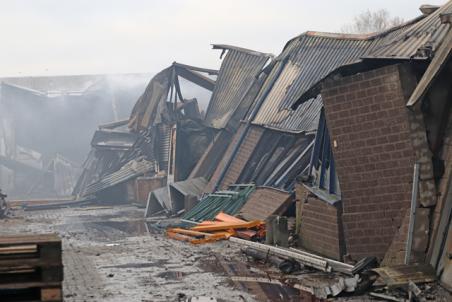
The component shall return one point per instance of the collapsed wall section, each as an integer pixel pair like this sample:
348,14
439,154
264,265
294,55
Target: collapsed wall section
370,134
320,225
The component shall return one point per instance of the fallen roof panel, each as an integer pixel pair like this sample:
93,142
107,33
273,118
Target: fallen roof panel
229,202
238,72
113,139
130,170
304,61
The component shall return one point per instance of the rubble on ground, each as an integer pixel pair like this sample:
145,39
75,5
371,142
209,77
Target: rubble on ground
322,173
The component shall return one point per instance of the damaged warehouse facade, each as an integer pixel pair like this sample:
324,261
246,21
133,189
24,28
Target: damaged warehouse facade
351,132
250,134
171,132
382,120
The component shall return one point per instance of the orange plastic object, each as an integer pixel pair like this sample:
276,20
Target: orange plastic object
219,226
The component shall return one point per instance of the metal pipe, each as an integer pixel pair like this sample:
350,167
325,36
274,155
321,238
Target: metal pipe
295,162
304,259
335,265
414,192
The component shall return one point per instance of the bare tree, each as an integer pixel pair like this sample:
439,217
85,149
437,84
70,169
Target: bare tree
368,22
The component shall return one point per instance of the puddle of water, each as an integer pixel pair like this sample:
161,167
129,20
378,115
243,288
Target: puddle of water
171,275
130,228
132,265
158,263
262,291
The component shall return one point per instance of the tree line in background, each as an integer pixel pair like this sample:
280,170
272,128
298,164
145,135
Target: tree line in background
371,21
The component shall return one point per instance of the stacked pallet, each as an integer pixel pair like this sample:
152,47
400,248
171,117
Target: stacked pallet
31,268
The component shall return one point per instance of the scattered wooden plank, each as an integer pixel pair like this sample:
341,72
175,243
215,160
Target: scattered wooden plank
220,226
21,249
29,239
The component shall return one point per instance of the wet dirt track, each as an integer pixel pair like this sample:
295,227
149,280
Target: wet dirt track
111,254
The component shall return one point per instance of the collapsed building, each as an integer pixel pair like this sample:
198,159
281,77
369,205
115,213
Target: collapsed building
354,127
166,133
385,115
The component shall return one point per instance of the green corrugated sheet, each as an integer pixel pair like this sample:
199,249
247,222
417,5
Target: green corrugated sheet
229,202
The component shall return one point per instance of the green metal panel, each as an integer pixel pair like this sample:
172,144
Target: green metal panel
229,202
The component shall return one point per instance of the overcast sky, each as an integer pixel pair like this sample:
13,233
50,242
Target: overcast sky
55,37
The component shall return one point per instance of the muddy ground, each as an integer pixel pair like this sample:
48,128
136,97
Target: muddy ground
112,254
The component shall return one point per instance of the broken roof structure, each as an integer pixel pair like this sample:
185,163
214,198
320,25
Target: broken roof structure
304,61
172,133
386,111
417,40
341,119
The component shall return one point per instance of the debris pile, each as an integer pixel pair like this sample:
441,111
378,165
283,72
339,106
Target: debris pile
223,227
342,139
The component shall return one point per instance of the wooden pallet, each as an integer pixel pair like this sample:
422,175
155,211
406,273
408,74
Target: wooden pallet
30,249
31,268
32,291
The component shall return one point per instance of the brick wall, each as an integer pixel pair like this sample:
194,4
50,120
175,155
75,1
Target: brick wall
320,225
369,126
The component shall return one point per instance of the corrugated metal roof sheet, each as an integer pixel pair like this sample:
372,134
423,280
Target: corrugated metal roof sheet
437,64
276,160
418,40
229,202
305,117
237,73
130,170
113,139
307,58
164,139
